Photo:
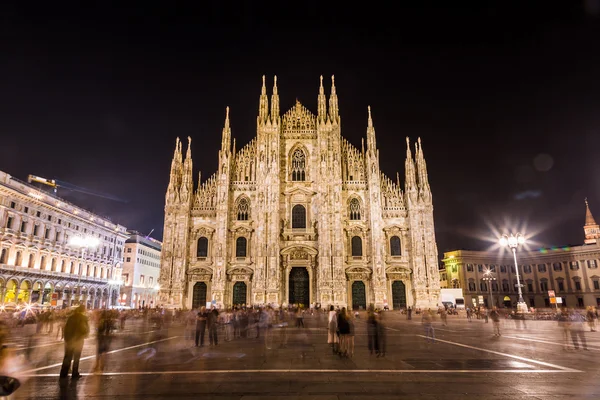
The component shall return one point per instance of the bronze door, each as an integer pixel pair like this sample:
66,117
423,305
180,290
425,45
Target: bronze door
299,286
199,296
359,296
398,295
239,293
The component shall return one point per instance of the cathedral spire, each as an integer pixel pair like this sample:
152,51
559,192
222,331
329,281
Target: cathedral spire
263,110
409,169
226,137
175,167
333,102
371,142
421,169
322,102
591,228
274,102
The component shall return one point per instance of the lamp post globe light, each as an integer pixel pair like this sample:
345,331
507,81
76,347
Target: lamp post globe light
489,278
513,242
84,243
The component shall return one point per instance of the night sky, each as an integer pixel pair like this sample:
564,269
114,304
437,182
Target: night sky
505,97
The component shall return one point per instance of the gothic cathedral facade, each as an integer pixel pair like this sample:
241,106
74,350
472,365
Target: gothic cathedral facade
299,216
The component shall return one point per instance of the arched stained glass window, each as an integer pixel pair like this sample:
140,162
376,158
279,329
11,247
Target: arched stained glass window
240,247
354,209
298,166
395,249
202,250
299,216
356,246
243,209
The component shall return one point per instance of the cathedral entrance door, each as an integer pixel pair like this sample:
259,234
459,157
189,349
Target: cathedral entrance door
199,296
398,295
239,293
359,296
299,287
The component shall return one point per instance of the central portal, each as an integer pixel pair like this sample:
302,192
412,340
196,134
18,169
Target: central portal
299,287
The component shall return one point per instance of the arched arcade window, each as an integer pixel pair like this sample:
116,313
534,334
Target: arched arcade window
299,216
354,209
298,166
202,250
356,246
243,209
395,249
241,245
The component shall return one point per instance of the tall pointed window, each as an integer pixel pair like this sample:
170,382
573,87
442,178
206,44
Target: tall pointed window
395,249
299,216
354,209
202,250
243,209
240,247
356,246
298,166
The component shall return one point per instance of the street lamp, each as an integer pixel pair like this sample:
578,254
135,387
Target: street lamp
487,276
83,242
513,242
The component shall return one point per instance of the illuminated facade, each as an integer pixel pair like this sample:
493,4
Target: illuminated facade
571,272
301,216
39,262
141,270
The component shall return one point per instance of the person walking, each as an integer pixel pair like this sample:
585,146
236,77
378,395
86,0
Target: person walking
76,329
332,337
103,337
427,321
213,323
495,316
201,326
372,339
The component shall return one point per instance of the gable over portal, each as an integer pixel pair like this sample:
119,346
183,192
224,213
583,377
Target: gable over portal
299,122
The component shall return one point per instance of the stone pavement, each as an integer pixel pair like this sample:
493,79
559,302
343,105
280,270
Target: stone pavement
466,362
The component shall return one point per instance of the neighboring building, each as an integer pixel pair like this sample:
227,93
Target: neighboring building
141,269
39,263
571,272
299,215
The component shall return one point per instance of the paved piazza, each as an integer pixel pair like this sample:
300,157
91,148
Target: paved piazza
466,362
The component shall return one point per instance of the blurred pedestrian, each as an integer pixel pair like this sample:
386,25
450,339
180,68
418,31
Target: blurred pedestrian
76,330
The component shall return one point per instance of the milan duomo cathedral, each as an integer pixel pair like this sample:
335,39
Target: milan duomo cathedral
299,216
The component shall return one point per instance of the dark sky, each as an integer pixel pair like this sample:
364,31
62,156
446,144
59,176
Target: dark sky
505,97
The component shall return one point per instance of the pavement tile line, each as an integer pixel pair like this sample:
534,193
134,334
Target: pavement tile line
592,347
564,369
316,371
24,373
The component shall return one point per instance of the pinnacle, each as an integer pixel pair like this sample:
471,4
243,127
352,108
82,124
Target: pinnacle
589,218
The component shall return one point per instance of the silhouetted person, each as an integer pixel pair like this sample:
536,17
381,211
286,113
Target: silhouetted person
372,339
76,330
213,318
201,326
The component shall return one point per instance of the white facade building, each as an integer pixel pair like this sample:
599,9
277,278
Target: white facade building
141,270
299,215
39,260
568,272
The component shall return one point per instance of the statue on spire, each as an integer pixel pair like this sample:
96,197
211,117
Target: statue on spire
333,103
274,102
263,110
321,102
591,228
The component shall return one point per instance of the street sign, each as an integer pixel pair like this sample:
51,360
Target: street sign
553,300
551,293
559,300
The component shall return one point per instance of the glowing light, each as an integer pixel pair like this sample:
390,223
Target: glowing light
503,241
87,241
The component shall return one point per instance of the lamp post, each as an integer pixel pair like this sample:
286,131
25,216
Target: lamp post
513,242
83,242
487,276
